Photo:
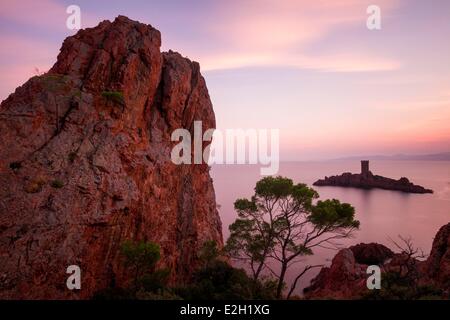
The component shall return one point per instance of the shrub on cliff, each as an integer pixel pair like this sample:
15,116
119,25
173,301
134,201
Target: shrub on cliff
16,165
394,287
140,259
208,253
114,96
215,279
218,280
57,184
403,280
35,185
221,281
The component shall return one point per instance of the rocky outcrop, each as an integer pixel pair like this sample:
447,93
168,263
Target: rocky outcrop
371,253
346,277
85,164
369,181
438,263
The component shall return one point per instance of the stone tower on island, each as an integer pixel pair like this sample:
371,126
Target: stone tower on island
366,180
365,168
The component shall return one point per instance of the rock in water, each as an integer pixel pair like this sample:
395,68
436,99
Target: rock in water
367,180
85,164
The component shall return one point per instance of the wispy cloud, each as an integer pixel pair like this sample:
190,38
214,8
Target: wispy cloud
350,62
21,57
42,13
279,33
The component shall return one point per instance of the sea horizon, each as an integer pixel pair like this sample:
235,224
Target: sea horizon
384,214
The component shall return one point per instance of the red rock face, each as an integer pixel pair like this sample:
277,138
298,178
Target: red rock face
85,164
346,277
438,263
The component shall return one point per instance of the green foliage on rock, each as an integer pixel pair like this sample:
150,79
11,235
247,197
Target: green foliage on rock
214,280
114,96
16,165
209,252
218,280
53,82
57,184
35,185
140,258
396,287
72,156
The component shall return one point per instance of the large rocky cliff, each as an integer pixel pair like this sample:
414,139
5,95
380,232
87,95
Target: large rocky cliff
85,164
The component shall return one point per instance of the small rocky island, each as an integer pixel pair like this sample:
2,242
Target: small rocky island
367,180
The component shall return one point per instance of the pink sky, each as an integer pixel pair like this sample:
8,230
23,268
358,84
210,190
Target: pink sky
309,68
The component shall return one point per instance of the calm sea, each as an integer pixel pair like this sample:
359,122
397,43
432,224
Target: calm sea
383,214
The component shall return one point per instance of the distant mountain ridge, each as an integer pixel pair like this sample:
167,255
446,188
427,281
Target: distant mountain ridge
443,156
